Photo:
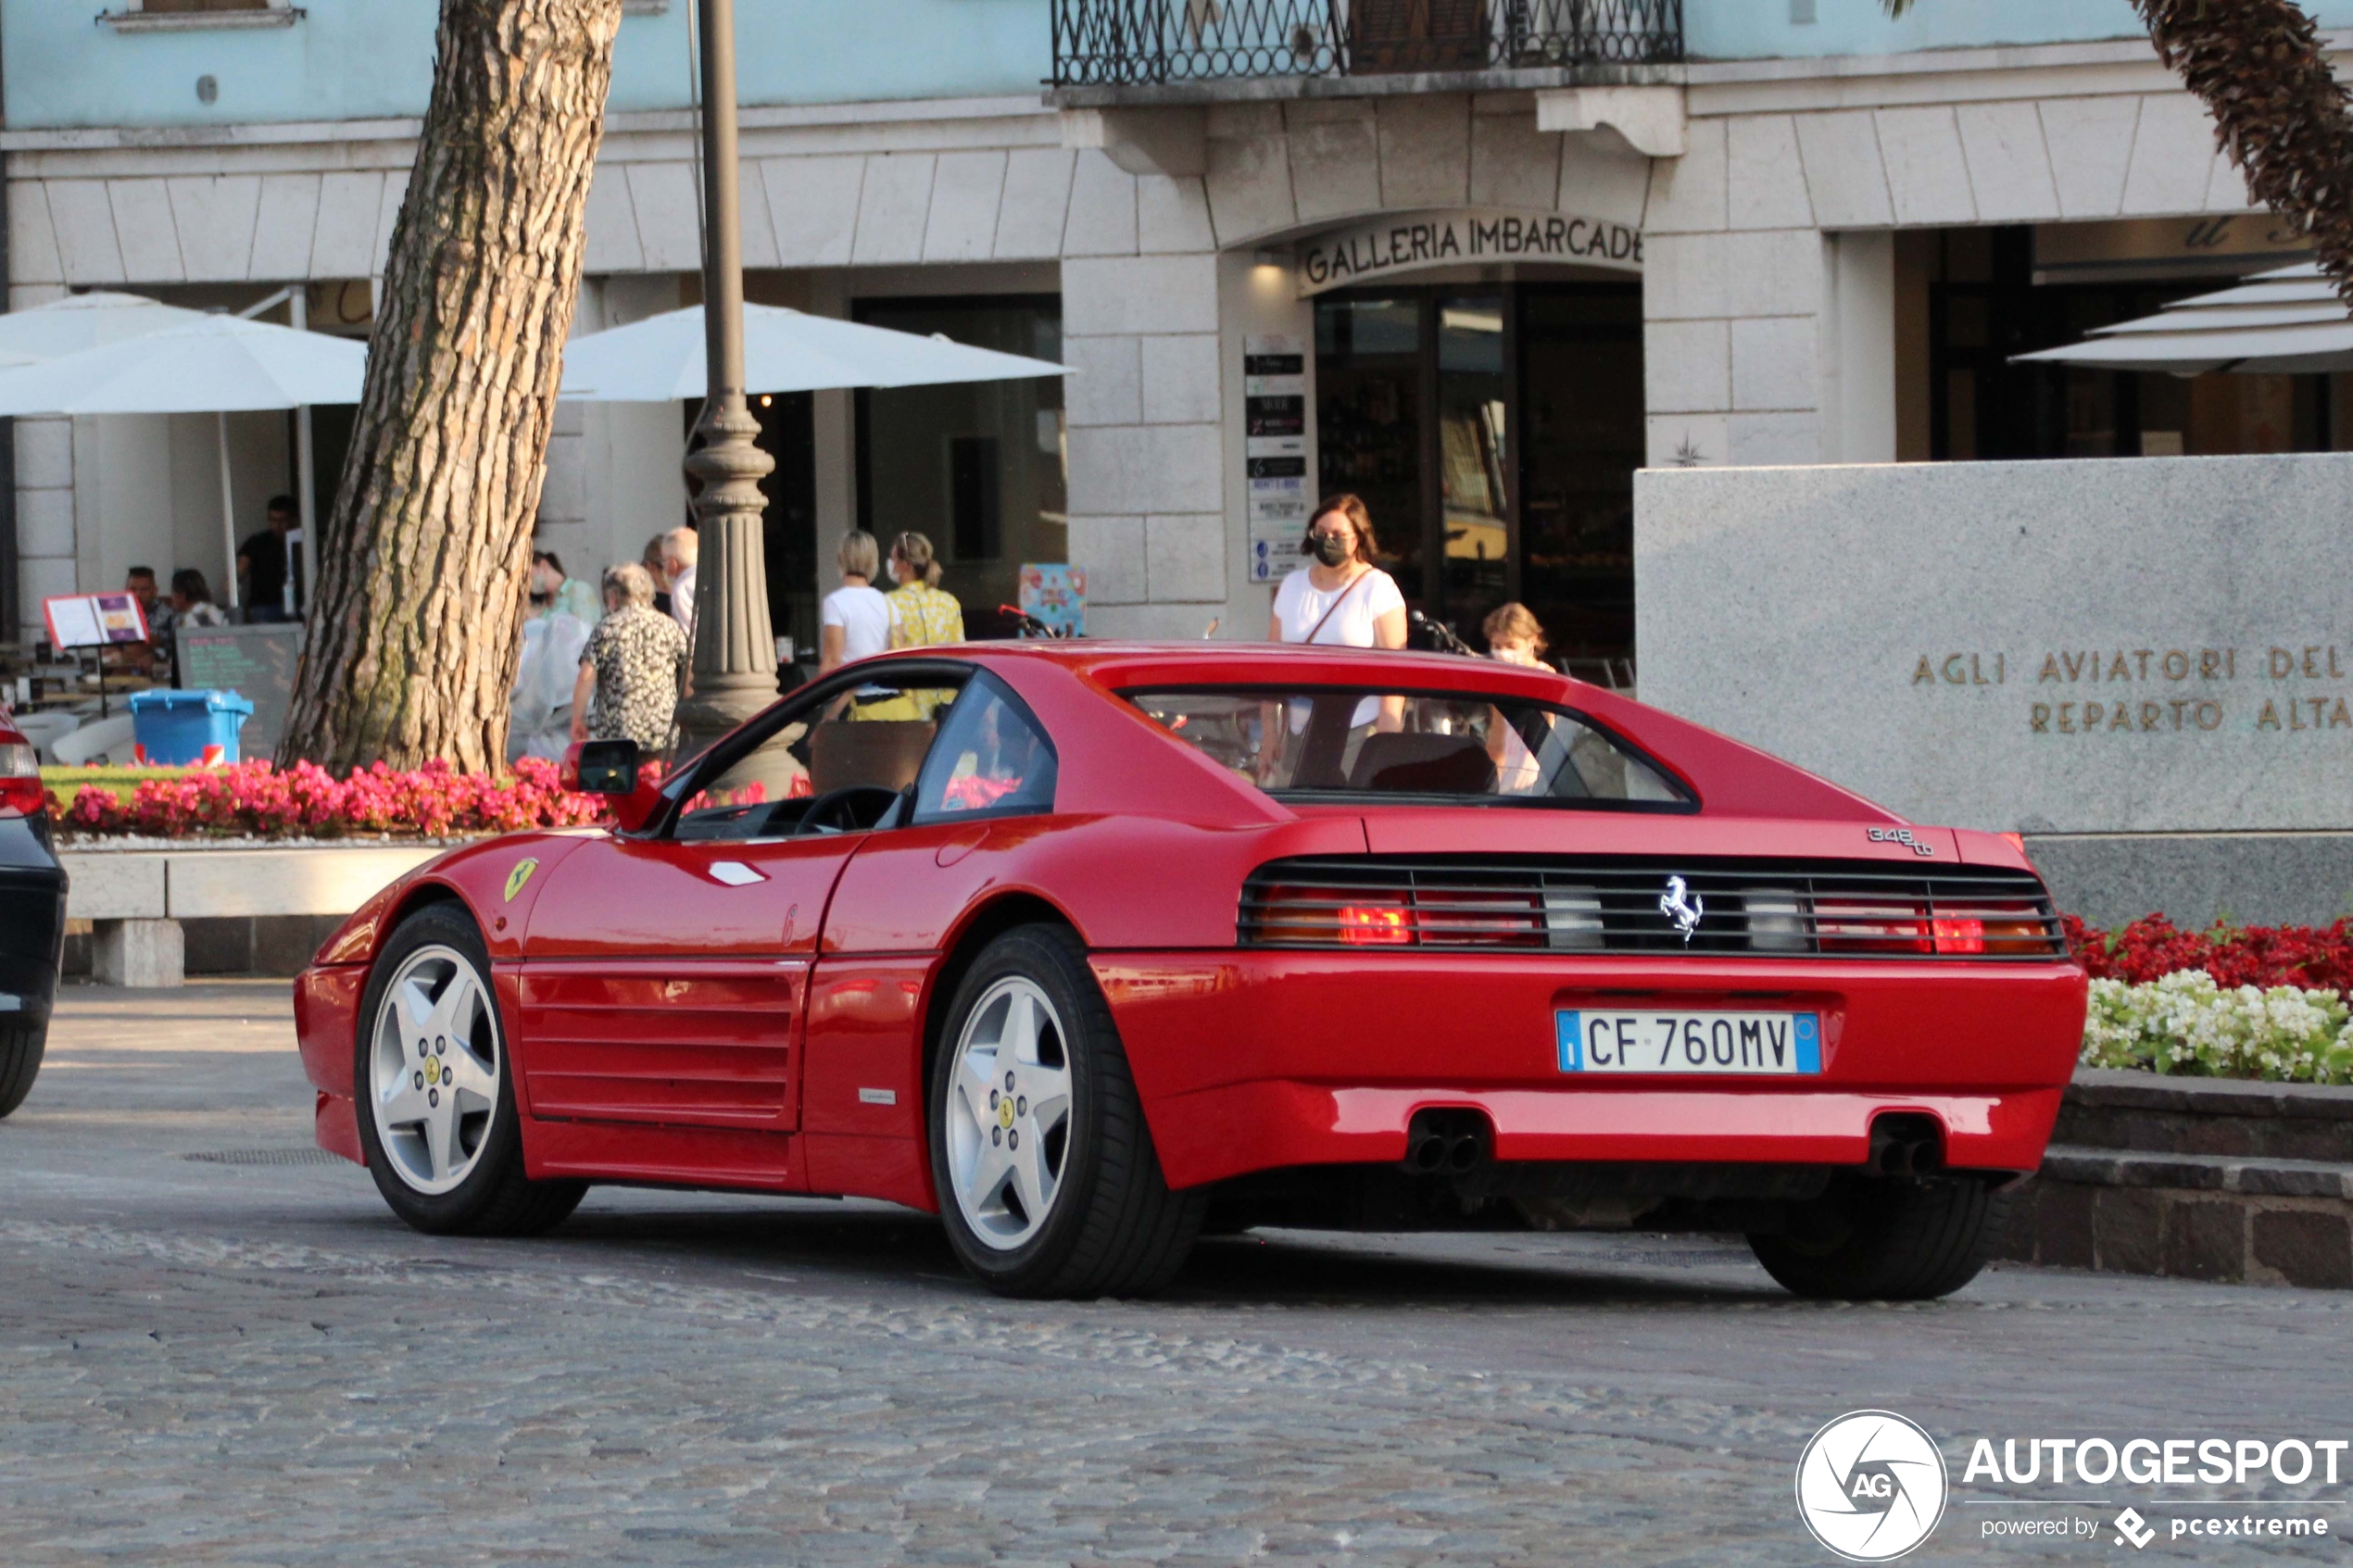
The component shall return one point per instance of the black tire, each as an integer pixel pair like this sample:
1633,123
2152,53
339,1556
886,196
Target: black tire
21,1052
1887,1239
496,1198
1114,1227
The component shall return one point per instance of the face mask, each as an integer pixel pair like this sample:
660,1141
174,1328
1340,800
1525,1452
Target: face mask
1331,549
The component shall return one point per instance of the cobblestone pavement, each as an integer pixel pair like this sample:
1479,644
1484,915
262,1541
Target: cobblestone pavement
216,1349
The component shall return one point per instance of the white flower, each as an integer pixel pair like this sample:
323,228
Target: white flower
2185,1021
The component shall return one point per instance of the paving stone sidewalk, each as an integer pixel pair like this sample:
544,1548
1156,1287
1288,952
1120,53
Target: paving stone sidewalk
214,1349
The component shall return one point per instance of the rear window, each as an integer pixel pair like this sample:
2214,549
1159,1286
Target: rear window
1443,747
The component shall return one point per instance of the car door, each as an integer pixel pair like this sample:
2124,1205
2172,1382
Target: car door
666,977
990,772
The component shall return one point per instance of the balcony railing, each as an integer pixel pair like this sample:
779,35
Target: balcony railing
1134,43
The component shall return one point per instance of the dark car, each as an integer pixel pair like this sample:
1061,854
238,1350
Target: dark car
33,917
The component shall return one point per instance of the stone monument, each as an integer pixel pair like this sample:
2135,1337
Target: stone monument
2145,665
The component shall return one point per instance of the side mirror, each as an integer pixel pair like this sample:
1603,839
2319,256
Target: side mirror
602,767
611,767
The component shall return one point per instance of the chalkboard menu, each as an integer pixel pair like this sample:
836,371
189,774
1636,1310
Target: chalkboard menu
258,664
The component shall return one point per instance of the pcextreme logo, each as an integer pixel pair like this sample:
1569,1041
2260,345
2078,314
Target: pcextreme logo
1872,1486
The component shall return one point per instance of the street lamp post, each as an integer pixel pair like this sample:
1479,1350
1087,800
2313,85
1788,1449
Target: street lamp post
734,657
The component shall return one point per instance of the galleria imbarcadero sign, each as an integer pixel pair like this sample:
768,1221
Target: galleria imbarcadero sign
1408,242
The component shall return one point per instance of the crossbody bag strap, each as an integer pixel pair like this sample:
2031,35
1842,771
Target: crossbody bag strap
1334,607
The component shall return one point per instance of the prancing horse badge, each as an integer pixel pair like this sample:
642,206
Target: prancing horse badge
521,874
1682,906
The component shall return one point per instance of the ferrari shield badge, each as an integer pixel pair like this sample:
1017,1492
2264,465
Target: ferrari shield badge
1682,906
520,875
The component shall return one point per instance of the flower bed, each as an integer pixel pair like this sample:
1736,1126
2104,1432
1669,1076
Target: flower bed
256,800
2266,1002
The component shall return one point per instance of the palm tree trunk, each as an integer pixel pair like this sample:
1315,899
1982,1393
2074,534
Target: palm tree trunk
2279,111
413,631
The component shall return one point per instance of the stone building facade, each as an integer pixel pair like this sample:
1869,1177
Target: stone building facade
1771,198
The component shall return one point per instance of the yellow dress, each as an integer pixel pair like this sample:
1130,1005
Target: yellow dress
921,617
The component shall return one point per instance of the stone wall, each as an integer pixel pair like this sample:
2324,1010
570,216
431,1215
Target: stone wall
2201,1178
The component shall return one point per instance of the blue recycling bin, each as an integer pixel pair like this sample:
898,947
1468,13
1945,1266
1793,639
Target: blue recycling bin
174,728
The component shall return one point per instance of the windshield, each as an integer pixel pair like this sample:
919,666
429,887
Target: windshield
1448,747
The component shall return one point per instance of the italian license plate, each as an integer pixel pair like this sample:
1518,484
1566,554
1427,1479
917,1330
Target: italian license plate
1751,1043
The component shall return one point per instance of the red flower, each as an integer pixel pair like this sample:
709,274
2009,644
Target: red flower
2315,958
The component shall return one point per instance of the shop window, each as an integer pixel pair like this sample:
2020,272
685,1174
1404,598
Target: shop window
976,468
976,494
1493,434
1970,300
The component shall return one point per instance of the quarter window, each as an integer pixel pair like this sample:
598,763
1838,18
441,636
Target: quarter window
991,759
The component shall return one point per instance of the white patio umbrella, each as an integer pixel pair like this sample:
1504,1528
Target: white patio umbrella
211,364
2287,321
659,359
85,321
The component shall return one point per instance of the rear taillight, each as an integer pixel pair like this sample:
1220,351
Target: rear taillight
1958,935
21,791
1573,918
1778,920
1447,916
1376,926
2002,931
1322,916
1867,924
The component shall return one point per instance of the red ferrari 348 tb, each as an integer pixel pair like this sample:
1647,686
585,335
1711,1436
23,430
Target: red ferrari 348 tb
1087,946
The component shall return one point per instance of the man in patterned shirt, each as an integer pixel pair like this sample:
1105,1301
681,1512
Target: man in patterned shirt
634,665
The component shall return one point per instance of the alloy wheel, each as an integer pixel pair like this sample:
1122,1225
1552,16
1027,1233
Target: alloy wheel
1008,1113
433,1067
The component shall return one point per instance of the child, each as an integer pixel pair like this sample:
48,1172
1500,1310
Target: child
1514,635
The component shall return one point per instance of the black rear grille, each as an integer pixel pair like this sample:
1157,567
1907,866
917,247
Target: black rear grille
1751,909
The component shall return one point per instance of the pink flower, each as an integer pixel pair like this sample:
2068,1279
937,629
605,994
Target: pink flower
254,799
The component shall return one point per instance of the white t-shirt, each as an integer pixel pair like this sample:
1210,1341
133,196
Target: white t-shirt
1298,604
863,614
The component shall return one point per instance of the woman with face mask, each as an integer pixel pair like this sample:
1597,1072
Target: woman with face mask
1339,597
552,593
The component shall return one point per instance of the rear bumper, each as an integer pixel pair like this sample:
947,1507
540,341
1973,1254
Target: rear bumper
1245,1127
1256,1061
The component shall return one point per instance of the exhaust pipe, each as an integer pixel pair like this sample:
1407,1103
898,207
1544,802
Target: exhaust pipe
1447,1142
1905,1146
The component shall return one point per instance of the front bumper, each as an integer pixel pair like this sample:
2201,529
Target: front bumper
1253,1060
326,1007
